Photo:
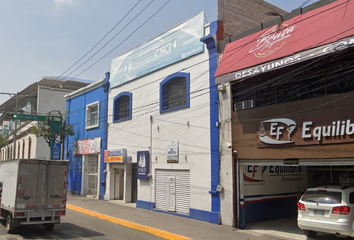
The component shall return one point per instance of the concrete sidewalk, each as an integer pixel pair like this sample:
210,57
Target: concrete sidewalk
166,225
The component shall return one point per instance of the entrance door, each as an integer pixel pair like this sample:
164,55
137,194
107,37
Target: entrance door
118,184
171,188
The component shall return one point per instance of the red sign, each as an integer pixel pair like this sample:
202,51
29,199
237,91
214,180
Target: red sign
87,146
312,29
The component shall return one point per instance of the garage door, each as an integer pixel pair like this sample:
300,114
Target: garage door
172,190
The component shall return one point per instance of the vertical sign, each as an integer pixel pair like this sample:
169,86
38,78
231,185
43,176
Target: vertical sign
143,165
56,151
172,151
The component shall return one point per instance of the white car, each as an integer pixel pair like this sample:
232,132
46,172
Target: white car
327,209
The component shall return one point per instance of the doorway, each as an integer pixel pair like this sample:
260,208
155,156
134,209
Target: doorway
118,184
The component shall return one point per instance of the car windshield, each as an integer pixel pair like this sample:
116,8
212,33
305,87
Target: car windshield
322,197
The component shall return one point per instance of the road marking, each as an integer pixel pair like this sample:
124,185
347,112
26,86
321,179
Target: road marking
154,231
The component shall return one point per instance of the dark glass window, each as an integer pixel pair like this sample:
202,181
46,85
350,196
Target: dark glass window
174,92
122,107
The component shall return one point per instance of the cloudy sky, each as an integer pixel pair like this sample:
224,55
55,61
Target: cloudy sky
75,37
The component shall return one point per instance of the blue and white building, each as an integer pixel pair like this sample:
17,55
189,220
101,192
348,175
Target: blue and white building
87,112
163,137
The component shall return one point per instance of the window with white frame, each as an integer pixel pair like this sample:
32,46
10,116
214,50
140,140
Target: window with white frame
92,115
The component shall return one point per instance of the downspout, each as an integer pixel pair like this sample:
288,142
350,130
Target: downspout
210,42
105,86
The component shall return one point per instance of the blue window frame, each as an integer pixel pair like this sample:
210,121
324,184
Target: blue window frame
174,92
122,107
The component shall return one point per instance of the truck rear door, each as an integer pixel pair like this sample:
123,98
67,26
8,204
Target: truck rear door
57,183
31,189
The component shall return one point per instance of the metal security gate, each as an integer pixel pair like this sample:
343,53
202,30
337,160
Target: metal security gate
172,192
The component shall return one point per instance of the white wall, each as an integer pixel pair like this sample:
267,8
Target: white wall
225,146
191,126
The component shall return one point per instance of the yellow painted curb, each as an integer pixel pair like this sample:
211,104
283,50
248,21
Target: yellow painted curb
154,231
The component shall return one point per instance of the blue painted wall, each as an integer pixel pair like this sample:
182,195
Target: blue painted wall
214,130
76,116
270,210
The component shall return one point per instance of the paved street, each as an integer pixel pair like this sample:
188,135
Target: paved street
89,219
77,226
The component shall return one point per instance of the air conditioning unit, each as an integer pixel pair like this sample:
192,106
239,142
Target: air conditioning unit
243,105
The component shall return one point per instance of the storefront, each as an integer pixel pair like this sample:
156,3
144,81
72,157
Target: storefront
292,120
88,151
121,176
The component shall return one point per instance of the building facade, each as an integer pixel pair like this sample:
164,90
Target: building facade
38,98
87,113
162,148
291,98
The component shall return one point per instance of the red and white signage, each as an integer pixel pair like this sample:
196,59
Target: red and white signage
310,30
87,146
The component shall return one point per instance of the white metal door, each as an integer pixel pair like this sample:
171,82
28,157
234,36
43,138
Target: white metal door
171,194
172,190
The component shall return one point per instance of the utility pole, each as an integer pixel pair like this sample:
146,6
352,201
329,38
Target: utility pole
15,120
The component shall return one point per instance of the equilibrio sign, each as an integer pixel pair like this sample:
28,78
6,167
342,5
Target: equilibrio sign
314,130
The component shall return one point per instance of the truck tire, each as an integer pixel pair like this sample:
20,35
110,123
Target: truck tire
9,225
49,226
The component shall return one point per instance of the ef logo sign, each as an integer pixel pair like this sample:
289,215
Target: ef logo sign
280,131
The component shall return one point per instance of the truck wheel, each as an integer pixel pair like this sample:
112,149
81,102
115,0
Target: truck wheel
49,226
9,227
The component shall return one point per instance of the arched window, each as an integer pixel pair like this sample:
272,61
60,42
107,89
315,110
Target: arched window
174,92
122,107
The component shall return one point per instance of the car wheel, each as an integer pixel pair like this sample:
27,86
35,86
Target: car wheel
309,233
49,226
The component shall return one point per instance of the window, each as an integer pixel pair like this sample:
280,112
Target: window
92,115
310,79
29,147
122,107
174,92
23,148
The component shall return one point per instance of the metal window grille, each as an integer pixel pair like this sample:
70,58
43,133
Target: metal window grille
122,108
175,93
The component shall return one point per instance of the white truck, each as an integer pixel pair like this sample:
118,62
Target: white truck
33,192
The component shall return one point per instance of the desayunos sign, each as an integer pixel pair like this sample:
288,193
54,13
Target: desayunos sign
280,131
180,42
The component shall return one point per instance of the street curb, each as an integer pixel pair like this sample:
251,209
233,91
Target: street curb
154,231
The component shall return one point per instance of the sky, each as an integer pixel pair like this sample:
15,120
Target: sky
80,38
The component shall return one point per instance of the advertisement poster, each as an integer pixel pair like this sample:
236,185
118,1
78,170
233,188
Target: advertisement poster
177,43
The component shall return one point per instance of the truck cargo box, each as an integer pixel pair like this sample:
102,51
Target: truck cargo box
33,192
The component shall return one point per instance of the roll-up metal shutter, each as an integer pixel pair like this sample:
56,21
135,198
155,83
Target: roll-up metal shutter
172,191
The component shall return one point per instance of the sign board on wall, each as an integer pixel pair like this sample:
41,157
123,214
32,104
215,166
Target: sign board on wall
87,146
117,155
267,182
328,126
328,24
177,43
172,151
143,165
